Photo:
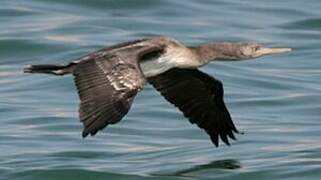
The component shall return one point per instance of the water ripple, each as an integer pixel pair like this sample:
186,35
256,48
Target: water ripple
275,101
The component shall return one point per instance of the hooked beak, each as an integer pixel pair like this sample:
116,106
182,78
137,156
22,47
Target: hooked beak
268,51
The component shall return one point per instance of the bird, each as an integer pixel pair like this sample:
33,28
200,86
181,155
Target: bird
108,80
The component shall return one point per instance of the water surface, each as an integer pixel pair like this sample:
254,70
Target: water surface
275,100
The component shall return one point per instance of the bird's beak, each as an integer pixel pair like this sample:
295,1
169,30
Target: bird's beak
268,51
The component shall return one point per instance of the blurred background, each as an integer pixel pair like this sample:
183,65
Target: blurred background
274,100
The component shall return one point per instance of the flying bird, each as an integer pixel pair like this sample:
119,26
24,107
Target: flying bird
108,80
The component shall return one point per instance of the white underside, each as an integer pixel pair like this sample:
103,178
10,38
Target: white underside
167,61
155,67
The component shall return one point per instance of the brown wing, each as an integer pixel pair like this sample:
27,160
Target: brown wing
108,81
106,86
200,97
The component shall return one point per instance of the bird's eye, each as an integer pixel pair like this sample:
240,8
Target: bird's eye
256,48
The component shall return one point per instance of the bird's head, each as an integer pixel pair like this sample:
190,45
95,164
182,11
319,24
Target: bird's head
254,50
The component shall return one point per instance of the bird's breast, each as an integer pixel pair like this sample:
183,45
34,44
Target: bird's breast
155,66
169,60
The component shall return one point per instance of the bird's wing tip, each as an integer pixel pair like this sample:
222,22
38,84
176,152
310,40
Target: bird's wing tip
84,134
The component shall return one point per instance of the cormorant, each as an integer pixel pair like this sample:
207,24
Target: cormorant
109,79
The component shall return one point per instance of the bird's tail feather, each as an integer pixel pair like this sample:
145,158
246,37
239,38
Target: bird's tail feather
50,69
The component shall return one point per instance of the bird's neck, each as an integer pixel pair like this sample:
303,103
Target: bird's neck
217,51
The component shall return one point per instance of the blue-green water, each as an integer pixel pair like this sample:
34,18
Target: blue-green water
275,100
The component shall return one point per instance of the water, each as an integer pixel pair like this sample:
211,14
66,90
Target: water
275,100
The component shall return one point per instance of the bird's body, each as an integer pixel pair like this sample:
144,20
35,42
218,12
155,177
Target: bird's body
109,79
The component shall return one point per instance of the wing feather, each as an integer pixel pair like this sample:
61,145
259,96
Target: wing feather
200,98
106,88
108,81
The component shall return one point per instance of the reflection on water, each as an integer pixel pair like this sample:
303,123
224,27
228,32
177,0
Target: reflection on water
221,164
275,100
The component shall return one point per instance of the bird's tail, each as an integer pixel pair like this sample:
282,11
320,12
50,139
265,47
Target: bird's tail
50,69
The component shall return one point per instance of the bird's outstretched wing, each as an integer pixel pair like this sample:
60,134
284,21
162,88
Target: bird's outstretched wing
107,82
200,97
